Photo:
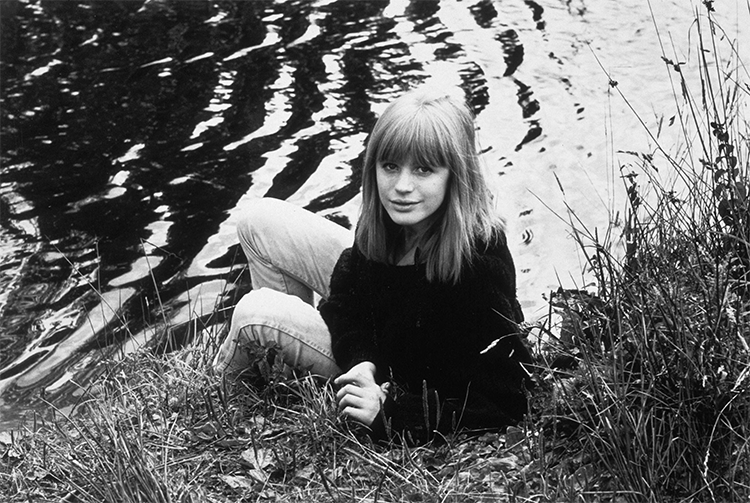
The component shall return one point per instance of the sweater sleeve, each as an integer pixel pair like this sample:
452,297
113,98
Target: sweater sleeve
347,313
495,278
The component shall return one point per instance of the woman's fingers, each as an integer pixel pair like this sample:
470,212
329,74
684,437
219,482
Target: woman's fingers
350,400
364,416
359,397
360,403
361,374
353,378
360,409
348,390
345,379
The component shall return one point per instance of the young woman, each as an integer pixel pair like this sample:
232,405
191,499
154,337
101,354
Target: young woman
418,319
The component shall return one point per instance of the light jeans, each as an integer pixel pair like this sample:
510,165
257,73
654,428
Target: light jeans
291,253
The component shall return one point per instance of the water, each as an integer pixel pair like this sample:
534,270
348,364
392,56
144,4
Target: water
134,133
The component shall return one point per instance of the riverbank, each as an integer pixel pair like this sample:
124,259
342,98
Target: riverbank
161,429
622,413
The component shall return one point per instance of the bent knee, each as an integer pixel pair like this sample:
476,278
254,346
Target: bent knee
267,306
259,218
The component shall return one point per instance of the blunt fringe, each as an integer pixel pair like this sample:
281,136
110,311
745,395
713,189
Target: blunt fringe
434,129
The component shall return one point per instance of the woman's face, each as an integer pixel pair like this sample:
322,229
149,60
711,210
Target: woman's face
411,193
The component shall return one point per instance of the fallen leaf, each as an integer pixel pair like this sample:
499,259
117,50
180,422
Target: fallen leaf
258,458
258,475
206,432
258,422
305,474
38,473
513,436
238,482
267,494
504,464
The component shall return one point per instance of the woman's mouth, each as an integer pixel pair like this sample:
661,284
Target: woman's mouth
403,205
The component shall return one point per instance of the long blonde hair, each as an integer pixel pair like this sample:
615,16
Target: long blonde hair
434,129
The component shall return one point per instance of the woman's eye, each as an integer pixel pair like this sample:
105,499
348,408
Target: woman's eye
389,166
424,170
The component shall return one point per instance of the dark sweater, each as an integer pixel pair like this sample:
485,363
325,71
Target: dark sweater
430,340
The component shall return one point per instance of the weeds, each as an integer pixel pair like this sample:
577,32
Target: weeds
157,429
660,399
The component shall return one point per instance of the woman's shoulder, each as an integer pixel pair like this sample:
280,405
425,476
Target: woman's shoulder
351,261
351,253
492,260
495,245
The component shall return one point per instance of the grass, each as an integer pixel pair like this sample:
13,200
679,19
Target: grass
643,391
159,429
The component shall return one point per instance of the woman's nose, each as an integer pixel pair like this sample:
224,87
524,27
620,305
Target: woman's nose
404,183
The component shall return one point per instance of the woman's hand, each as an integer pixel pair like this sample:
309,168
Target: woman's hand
359,396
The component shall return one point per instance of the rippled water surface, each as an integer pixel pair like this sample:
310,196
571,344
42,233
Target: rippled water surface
134,133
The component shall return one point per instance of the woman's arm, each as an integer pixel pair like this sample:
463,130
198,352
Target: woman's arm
494,281
347,313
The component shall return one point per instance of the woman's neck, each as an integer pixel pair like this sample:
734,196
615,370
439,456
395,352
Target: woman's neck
407,247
